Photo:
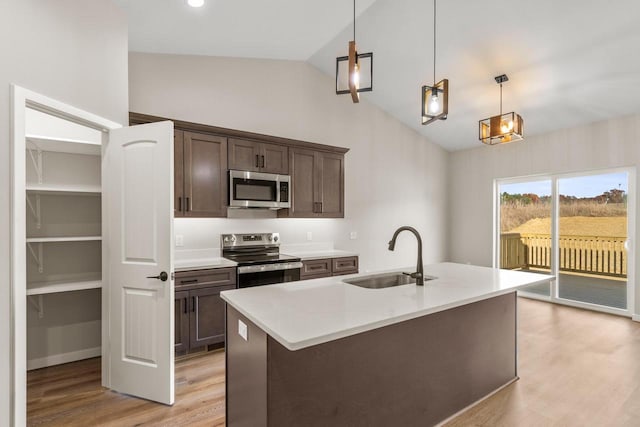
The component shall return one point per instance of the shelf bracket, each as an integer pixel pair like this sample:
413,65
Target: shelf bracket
35,210
36,159
39,259
37,304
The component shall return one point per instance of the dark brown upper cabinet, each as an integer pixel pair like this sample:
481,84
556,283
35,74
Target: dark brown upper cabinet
253,156
178,173
203,155
317,184
200,175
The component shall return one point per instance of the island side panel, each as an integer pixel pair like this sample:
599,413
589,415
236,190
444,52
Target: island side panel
246,373
415,373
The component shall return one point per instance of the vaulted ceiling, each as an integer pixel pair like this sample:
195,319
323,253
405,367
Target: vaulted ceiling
569,62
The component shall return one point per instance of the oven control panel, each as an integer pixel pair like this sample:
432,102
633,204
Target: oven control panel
258,239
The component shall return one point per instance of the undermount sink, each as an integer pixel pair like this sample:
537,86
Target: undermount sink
386,280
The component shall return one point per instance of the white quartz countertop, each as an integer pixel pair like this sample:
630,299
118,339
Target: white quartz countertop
319,254
309,312
202,263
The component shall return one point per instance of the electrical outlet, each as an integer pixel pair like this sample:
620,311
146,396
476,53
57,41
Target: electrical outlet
353,235
179,240
309,236
242,329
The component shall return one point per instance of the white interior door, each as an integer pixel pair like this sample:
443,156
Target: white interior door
138,191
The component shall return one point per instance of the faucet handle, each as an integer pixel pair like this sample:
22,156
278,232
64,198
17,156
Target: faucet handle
415,275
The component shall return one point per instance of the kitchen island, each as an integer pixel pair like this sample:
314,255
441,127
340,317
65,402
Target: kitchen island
324,352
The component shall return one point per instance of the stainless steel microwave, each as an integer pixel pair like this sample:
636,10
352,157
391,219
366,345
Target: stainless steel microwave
259,190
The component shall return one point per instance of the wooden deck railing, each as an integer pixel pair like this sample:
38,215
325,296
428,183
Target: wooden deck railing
584,254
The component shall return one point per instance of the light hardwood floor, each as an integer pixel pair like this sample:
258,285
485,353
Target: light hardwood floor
71,395
576,368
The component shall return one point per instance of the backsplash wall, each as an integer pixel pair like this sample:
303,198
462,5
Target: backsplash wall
393,175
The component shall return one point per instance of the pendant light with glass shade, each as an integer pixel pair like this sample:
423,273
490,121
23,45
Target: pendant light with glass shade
502,128
435,99
354,73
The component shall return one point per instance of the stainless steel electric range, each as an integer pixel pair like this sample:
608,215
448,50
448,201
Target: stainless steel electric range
259,259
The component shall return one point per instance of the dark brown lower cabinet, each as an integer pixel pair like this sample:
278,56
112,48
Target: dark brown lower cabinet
327,267
430,368
315,268
344,265
181,335
206,319
199,310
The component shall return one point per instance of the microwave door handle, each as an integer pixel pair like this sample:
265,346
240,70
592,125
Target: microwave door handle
257,160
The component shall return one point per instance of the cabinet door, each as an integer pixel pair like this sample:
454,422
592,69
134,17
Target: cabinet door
331,189
178,173
274,159
244,155
207,316
303,183
205,175
181,334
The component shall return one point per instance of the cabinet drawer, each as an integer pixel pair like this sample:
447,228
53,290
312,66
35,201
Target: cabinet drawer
194,279
346,265
316,268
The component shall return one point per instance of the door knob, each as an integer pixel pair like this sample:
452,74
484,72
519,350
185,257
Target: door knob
162,276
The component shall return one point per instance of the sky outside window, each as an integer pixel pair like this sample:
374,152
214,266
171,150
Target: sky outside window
584,186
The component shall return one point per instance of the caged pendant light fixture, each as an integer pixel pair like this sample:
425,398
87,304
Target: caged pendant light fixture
354,73
502,128
435,99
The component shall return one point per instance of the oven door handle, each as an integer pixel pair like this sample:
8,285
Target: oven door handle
269,267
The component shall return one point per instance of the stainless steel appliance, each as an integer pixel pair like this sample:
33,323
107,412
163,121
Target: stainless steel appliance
259,190
259,259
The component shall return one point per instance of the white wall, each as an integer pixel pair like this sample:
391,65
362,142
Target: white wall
393,175
608,144
73,51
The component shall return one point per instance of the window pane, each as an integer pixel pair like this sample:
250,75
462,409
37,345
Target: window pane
592,236
525,229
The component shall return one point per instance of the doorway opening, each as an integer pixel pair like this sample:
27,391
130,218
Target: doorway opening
56,277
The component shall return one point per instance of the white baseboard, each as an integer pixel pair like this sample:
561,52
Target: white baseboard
58,359
636,317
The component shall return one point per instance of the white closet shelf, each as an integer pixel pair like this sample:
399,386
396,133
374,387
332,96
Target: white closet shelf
64,145
63,189
63,239
51,287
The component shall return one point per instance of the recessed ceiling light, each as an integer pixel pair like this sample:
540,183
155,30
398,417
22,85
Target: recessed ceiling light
195,3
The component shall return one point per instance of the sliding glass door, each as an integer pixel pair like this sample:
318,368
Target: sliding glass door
525,229
575,227
592,236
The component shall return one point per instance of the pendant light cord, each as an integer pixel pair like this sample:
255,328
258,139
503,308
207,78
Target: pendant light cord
501,100
354,20
434,43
